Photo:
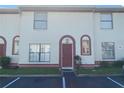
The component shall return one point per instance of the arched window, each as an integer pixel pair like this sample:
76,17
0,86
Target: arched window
15,50
2,46
85,45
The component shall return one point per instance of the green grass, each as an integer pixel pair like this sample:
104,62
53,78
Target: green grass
29,71
45,71
101,70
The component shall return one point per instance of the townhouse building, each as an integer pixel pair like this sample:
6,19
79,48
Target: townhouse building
50,36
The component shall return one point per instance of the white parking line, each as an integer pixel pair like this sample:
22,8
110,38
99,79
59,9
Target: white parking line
11,82
63,82
115,82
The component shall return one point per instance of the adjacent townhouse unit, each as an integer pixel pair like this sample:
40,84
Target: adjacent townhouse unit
50,36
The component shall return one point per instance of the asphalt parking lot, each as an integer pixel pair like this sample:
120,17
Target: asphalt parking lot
31,82
93,81
68,80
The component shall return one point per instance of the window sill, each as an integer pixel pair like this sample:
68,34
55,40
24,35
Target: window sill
108,59
39,62
109,29
38,30
15,54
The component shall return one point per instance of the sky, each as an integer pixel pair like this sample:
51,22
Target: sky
98,6
14,3
62,2
7,6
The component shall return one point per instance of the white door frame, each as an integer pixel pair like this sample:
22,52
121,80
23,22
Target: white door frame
61,51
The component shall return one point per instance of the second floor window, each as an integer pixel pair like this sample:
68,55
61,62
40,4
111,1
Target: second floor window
106,21
40,20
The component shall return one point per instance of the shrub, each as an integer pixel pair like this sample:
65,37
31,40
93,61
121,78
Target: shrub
5,61
77,60
118,63
104,64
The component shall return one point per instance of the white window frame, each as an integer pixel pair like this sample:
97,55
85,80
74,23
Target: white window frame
42,21
87,39
15,49
106,21
40,52
105,50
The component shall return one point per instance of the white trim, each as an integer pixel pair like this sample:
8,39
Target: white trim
63,82
61,55
38,63
11,82
67,67
115,82
72,55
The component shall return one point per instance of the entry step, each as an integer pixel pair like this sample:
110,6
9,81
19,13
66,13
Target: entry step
67,70
68,73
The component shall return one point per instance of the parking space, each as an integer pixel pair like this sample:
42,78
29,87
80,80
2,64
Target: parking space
118,80
92,81
68,80
5,80
35,82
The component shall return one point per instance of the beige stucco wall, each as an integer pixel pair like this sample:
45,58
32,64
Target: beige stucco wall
75,24
9,27
113,35
59,24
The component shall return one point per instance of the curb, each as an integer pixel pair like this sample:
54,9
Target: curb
59,75
43,75
93,75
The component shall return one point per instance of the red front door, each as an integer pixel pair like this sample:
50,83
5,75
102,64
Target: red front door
2,50
66,55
